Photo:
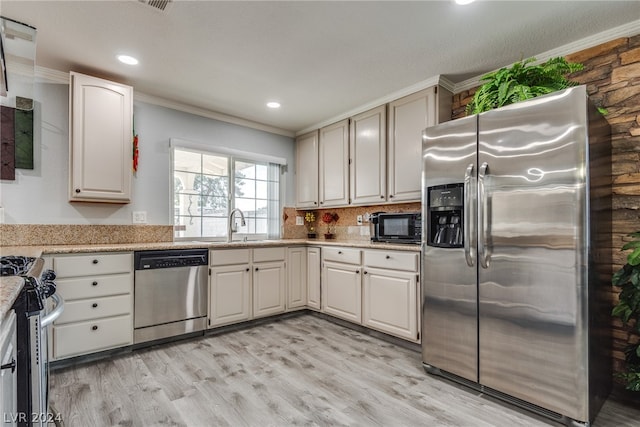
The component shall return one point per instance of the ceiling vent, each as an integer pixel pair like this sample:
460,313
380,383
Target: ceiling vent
160,5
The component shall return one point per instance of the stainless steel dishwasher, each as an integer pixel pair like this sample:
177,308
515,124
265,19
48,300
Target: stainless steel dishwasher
170,296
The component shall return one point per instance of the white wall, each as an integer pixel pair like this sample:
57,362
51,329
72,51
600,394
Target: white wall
39,196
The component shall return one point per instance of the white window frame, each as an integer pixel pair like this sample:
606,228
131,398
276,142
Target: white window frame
232,157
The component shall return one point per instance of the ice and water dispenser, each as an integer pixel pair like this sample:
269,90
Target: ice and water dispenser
446,210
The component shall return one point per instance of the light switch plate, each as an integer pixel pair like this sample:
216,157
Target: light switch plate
140,217
299,220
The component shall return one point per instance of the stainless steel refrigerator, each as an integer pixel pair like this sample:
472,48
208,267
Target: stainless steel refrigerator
517,254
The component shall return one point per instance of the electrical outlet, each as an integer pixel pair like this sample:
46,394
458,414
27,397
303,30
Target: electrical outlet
299,220
140,217
359,219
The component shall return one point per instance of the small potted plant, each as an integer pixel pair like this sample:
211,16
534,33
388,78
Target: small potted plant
310,219
329,218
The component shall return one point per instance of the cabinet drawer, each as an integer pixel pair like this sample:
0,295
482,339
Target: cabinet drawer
95,286
87,337
394,260
269,254
229,256
95,308
84,265
348,256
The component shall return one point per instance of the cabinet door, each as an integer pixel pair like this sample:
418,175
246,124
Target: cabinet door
296,277
334,164
342,291
307,170
368,152
390,302
313,278
268,288
100,156
229,294
408,117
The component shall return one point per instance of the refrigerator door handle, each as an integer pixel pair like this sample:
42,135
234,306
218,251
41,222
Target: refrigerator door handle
483,217
469,229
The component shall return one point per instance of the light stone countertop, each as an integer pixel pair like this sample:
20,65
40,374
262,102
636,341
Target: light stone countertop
10,286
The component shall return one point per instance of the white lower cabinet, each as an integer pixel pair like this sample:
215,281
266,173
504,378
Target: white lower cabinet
8,374
296,277
341,283
375,288
313,278
390,293
98,293
229,286
245,284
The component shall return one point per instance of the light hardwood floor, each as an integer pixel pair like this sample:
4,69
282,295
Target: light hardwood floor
301,370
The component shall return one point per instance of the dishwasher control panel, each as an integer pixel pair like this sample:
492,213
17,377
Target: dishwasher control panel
151,260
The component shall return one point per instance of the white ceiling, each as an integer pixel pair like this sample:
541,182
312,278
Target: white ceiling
319,59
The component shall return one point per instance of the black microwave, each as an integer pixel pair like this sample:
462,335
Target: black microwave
399,227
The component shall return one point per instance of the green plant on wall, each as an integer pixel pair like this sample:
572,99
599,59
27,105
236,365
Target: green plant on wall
628,310
521,82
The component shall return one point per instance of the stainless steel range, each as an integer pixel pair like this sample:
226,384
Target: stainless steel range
32,319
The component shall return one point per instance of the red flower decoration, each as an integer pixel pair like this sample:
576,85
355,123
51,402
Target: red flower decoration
329,217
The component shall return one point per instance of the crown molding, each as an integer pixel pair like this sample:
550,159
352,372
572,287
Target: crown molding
432,81
626,30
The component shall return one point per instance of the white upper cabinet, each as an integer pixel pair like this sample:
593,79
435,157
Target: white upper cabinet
101,127
307,170
334,164
408,117
368,150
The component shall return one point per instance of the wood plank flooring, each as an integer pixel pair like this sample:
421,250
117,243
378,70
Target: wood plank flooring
300,370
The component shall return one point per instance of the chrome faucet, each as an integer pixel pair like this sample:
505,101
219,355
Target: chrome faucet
231,228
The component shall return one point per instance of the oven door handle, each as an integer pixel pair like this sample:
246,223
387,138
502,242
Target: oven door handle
55,313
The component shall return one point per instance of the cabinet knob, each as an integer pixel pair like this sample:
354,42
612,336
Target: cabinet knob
365,272
77,190
321,202
315,203
381,196
94,305
247,269
390,195
95,261
339,252
95,284
388,257
256,268
94,328
11,365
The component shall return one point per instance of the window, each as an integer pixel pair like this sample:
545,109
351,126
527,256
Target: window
207,186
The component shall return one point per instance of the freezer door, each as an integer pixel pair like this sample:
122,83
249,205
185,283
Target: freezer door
532,238
449,281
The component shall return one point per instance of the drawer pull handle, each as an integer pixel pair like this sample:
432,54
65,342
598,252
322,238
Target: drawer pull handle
388,257
94,305
11,365
95,261
94,328
94,284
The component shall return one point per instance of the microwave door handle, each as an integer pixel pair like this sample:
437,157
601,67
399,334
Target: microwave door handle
469,228
483,217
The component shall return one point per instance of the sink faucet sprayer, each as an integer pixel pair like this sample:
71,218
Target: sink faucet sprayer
232,227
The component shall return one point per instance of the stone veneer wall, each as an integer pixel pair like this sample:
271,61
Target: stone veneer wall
58,234
346,228
612,75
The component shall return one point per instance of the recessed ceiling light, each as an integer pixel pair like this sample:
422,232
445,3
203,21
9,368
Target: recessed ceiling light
126,59
463,2
273,104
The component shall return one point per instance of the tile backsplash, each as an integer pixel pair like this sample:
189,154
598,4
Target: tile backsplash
346,227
